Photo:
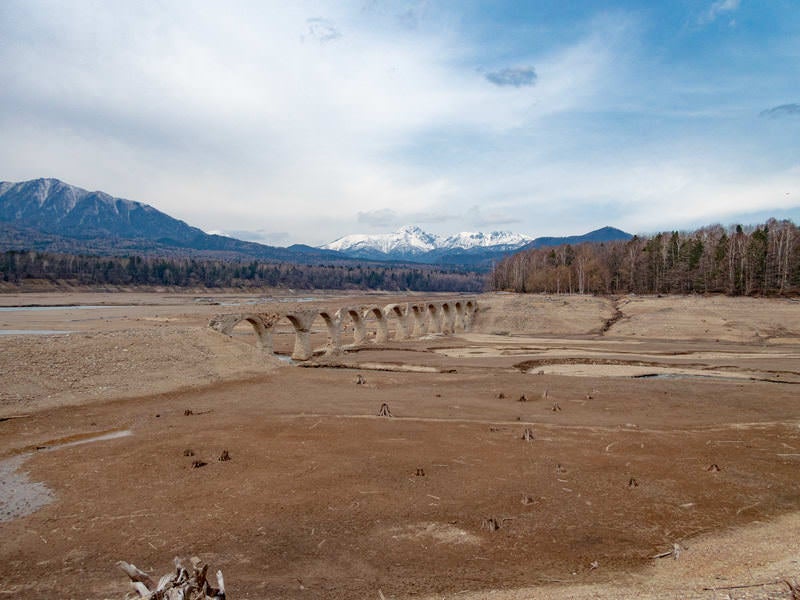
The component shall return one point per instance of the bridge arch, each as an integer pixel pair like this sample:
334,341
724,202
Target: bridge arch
434,317
333,324
375,313
448,318
419,314
410,320
402,320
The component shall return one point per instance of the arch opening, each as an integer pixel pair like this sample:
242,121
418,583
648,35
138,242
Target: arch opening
251,330
326,333
376,329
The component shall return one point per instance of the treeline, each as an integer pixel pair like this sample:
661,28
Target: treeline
16,267
755,260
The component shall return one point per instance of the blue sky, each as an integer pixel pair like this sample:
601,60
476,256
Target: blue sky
300,122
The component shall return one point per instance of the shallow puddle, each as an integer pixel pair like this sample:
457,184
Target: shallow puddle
61,307
33,332
19,496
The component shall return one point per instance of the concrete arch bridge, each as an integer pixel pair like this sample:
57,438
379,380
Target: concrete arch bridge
400,321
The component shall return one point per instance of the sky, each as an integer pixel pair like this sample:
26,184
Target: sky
300,122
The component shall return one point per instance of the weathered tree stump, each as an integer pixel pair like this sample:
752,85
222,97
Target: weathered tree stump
183,584
490,524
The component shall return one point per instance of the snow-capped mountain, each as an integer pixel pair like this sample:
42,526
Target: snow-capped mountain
498,240
411,242
407,240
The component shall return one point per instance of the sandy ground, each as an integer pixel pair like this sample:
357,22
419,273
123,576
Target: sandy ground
654,422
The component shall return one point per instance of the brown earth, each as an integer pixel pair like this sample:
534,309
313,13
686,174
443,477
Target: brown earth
324,499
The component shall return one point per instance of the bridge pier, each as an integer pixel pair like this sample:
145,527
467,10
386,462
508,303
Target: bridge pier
381,327
302,321
434,318
419,319
401,315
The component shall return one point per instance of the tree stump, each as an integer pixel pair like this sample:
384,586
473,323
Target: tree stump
490,524
183,584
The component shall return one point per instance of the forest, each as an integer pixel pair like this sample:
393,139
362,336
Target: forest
754,260
17,267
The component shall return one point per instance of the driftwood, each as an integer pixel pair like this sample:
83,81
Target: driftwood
180,585
675,553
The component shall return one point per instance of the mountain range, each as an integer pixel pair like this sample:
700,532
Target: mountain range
412,244
53,216
50,215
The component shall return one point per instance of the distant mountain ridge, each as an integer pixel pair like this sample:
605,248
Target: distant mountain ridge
54,216
604,234
476,249
48,214
412,242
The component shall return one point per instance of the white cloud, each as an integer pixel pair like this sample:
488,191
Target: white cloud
717,9
316,119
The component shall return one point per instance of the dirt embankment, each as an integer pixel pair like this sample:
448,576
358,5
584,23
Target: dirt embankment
48,371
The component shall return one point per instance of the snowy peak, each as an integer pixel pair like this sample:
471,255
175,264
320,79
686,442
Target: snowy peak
411,241
494,239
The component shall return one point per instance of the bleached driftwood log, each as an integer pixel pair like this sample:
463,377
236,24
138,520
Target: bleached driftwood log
180,585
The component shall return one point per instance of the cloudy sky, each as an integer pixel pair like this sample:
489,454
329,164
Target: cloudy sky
300,122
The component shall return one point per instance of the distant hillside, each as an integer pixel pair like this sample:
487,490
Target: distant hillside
48,214
604,234
751,260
